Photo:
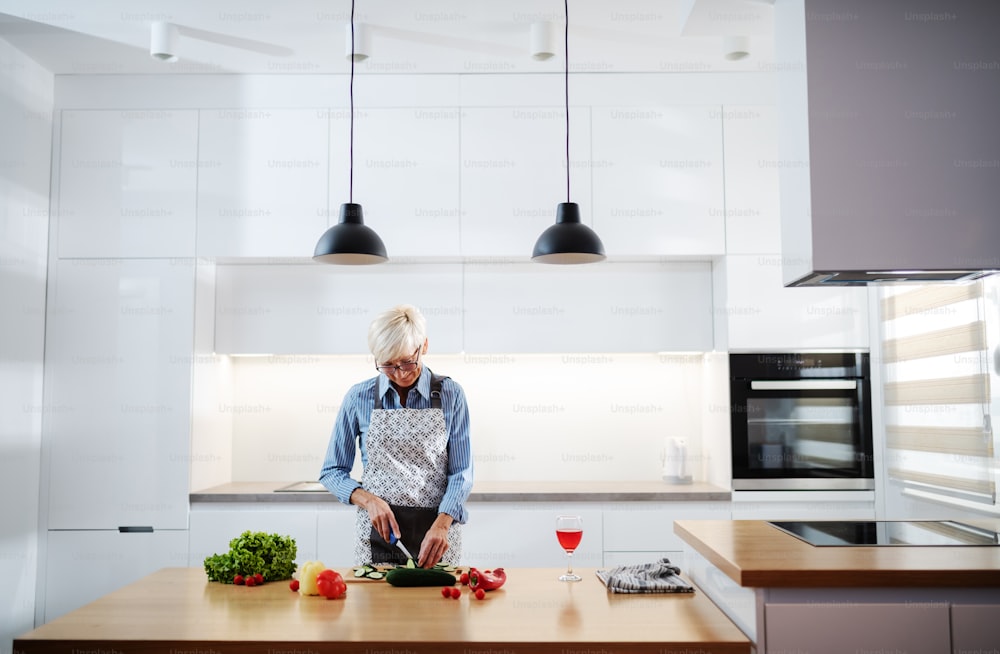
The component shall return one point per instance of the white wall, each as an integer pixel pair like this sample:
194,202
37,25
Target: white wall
558,417
26,100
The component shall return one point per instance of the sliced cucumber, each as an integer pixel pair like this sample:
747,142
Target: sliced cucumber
410,563
360,572
375,574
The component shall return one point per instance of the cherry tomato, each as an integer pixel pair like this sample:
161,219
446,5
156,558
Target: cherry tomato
294,584
464,579
455,592
445,591
480,593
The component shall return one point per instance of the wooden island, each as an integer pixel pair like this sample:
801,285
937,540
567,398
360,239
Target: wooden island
177,610
789,596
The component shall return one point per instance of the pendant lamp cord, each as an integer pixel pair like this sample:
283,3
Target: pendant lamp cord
350,173
566,85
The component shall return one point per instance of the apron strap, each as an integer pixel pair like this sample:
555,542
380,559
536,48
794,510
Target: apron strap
436,382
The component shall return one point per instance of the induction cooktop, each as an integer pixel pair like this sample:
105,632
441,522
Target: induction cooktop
878,533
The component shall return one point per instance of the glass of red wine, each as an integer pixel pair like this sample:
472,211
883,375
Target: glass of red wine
569,531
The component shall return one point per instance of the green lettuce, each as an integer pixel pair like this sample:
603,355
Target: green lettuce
252,552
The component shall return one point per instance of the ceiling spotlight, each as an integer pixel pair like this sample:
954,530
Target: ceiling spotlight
542,47
356,46
163,39
735,48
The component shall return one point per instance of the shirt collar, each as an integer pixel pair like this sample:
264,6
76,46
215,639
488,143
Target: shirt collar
423,385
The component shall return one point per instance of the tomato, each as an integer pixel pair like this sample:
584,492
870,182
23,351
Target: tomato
480,593
446,592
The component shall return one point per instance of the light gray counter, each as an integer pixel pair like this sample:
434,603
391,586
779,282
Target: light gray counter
525,491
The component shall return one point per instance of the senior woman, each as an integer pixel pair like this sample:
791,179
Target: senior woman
412,429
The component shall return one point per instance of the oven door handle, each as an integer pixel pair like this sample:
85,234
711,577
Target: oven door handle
805,385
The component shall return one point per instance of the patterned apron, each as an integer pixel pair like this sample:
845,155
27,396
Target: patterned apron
408,468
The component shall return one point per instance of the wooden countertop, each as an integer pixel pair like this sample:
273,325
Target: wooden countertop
178,610
755,554
524,491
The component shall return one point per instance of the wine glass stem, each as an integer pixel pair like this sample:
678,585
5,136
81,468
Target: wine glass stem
569,563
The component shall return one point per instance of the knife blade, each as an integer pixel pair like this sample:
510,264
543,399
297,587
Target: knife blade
393,540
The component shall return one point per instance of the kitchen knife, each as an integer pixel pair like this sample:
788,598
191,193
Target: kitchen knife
402,548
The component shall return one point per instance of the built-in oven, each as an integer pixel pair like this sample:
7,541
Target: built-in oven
801,421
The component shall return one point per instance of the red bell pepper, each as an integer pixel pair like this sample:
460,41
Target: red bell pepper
486,579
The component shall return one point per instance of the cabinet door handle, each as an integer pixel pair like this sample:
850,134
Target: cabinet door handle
805,385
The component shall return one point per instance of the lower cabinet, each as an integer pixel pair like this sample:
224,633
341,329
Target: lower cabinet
912,627
211,530
335,534
522,535
643,532
803,505
81,566
975,628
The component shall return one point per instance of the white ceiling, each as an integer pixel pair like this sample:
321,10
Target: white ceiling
437,36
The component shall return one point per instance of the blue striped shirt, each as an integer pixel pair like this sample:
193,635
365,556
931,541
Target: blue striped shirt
352,427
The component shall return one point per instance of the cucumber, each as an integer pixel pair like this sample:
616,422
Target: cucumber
419,577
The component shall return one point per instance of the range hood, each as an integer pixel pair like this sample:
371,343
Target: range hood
889,151
865,277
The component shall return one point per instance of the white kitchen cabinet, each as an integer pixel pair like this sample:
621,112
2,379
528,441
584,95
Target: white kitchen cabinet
518,535
313,308
604,307
643,532
751,197
761,314
81,566
513,175
126,183
116,432
406,176
335,534
262,182
658,180
803,505
211,530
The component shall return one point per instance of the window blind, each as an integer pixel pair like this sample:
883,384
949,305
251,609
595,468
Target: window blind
938,395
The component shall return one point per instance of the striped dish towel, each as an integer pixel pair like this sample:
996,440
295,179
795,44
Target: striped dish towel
659,577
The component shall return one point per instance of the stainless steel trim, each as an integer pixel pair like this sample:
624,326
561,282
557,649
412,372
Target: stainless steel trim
805,385
804,483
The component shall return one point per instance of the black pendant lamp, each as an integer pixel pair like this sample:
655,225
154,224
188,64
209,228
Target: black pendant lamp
569,241
350,241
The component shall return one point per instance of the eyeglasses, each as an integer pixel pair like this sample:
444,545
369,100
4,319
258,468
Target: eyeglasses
406,366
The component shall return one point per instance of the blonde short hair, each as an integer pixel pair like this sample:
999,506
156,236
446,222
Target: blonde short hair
396,333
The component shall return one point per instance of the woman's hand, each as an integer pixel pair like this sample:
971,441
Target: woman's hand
379,512
435,542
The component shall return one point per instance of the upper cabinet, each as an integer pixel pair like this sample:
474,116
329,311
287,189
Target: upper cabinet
513,175
126,183
406,176
604,307
475,307
751,205
314,308
658,180
262,182
756,312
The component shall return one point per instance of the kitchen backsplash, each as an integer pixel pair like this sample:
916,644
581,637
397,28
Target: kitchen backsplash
533,417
